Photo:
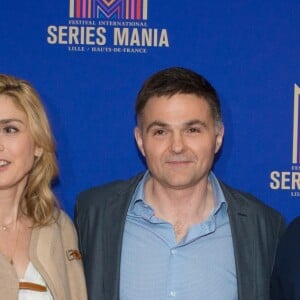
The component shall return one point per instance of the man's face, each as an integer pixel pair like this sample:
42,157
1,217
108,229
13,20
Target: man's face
178,137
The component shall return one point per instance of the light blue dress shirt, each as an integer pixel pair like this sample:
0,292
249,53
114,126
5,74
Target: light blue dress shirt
155,267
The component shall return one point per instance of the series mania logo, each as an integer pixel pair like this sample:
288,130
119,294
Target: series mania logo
290,180
116,26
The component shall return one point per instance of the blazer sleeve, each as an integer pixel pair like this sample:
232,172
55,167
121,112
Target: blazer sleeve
73,259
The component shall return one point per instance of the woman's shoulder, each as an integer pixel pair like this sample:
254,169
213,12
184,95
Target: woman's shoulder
66,229
64,220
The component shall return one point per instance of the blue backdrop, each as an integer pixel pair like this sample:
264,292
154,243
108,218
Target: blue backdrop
88,59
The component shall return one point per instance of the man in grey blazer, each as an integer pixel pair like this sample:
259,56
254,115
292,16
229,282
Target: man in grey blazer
176,231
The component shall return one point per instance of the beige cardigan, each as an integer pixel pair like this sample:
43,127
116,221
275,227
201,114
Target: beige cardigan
48,252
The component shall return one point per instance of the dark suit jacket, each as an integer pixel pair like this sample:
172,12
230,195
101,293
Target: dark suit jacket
285,283
100,216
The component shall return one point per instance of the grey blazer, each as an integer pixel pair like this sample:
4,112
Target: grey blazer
100,215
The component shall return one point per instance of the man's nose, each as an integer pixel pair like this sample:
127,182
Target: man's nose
177,143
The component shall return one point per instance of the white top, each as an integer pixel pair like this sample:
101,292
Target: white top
32,275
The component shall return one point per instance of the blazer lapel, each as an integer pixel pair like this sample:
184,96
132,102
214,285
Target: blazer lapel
46,259
242,230
115,217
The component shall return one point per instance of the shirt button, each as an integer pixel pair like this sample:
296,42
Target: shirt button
173,293
173,251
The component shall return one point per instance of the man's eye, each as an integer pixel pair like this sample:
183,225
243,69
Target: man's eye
10,130
194,130
159,132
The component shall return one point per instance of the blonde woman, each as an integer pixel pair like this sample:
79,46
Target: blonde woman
39,257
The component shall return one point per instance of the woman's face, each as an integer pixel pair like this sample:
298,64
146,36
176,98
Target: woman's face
17,147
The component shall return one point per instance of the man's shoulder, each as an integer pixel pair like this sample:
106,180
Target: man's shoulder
246,200
100,193
289,247
293,230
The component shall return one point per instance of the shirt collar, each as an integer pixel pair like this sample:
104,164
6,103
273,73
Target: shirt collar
219,197
139,206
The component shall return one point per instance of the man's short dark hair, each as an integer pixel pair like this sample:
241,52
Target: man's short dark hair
177,80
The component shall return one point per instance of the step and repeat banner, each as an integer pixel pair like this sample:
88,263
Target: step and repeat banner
88,59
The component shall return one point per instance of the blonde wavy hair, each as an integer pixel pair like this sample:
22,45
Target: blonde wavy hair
38,201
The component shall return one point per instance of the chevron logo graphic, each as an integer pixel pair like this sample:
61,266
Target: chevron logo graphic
296,126
109,9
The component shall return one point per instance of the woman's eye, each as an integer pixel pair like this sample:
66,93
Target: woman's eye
10,130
